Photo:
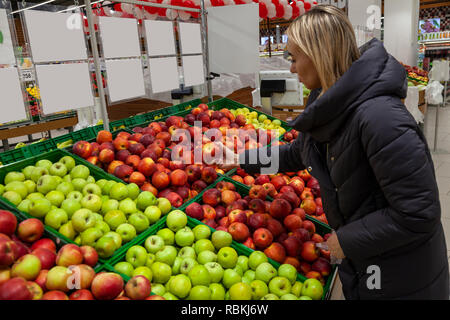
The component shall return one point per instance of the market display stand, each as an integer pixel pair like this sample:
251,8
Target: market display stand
29,129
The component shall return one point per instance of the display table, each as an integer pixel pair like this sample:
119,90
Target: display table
38,127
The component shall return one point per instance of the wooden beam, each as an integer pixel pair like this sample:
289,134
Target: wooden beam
433,4
38,127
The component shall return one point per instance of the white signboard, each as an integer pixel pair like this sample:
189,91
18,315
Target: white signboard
193,70
6,45
190,36
160,38
163,74
120,37
125,79
55,36
64,87
12,106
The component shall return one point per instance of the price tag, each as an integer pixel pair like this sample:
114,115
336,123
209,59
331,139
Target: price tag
27,75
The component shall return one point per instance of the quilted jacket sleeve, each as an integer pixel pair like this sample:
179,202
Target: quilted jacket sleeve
403,167
286,158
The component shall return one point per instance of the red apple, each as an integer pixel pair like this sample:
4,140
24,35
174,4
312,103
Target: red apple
212,197
178,178
82,149
55,295
224,222
278,182
69,254
42,279
220,212
90,255
239,231
210,222
262,238
257,192
309,205
293,222
47,257
308,225
293,246
280,208
249,243
309,251
113,165
209,175
193,173
138,288
8,222
299,212
160,180
302,234
195,210
104,136
107,286
30,230
133,161
199,185
175,199
317,238
120,143
228,197
106,156
8,251
82,294
298,186
15,289
5,275
208,212
322,266
291,197
257,221
275,227
276,252
237,216
305,267
249,180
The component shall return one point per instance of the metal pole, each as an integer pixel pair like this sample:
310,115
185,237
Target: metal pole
437,117
98,73
206,50
159,5
270,44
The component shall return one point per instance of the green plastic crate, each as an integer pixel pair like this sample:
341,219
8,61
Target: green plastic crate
53,156
79,135
14,155
321,228
41,147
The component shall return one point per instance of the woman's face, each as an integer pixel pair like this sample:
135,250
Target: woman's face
303,67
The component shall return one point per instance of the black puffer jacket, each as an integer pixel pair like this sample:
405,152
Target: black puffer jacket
377,181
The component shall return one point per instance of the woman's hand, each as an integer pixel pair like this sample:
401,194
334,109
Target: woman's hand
230,160
334,246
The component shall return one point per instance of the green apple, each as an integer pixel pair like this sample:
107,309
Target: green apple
164,205
180,286
304,298
154,243
70,206
187,252
240,291
187,264
90,179
176,265
270,296
83,219
230,277
143,271
90,236
167,235
215,271
158,289
221,239
68,161
280,286
297,289
152,213
249,276
227,257
256,258
12,197
58,169
145,199
105,247
127,206
44,164
92,188
217,291
169,296
98,217
38,208
27,172
176,220
276,122
262,117
166,255
109,205
35,195
133,190
161,272
312,288
78,243
65,187
19,187
56,218
37,173
79,184
288,271
104,198
137,256
125,268
116,237
23,205
119,191
259,289
201,231
75,195
114,219
80,171
238,269
288,296
55,197
243,263
68,231
103,226
139,221
31,186
27,267
126,231
206,256
200,293
107,187
184,237
101,183
265,272
46,184
67,178
92,202
14,176
203,245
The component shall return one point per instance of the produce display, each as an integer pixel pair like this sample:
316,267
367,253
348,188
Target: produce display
417,75
194,264
66,197
279,228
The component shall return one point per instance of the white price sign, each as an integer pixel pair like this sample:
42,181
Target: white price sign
27,75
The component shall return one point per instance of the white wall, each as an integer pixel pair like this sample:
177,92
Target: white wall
357,11
401,20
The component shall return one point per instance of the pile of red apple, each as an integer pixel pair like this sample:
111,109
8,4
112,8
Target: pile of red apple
143,159
32,268
279,228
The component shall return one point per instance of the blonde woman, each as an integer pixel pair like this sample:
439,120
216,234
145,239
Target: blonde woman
373,164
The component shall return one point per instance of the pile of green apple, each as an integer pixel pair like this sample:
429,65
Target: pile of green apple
193,264
103,214
260,121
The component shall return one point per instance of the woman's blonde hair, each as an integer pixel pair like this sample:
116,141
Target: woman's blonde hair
326,36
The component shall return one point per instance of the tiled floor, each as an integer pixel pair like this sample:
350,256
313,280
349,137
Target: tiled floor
441,159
